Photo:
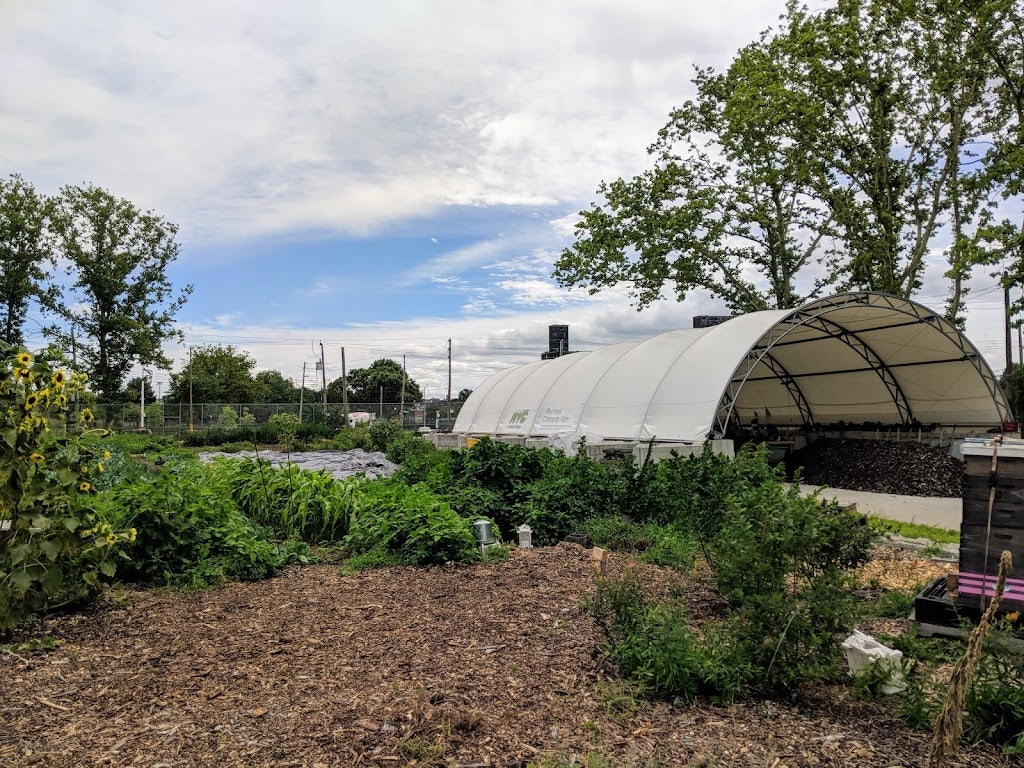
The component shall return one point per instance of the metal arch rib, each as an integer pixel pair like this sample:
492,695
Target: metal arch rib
831,329
779,372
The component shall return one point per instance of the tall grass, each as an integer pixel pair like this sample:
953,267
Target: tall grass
296,503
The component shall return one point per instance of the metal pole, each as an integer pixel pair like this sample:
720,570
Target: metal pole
323,378
344,388
1006,322
302,390
142,401
380,412
1020,339
191,417
401,407
449,381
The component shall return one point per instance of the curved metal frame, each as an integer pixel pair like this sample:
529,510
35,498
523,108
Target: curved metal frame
812,316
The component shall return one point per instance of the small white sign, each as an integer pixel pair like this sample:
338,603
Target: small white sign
557,419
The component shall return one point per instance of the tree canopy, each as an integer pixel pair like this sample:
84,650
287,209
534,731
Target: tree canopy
117,258
364,384
133,389
275,388
839,151
219,374
25,256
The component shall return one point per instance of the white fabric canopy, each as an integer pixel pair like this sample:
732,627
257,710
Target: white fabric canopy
856,358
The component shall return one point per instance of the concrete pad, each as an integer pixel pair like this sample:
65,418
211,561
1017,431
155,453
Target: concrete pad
929,510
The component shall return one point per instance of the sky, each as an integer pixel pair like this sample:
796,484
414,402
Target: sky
377,176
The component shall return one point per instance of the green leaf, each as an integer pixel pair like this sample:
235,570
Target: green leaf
42,522
71,523
108,568
50,548
21,581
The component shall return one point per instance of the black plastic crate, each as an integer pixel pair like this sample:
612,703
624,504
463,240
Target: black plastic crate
934,605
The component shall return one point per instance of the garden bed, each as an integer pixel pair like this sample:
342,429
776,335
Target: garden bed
471,666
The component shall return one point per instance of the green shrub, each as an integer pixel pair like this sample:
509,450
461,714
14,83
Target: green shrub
285,428
296,503
994,708
191,533
408,521
781,559
653,646
668,545
228,418
381,433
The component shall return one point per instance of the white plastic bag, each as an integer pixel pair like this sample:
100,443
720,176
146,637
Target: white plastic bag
861,651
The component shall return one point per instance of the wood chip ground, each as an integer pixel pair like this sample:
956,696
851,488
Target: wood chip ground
491,665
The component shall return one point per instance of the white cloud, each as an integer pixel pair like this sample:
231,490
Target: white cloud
236,120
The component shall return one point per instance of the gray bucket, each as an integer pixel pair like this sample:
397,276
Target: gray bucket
483,532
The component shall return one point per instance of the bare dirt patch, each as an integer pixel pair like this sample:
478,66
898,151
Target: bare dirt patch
474,666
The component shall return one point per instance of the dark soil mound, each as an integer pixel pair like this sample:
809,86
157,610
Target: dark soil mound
879,466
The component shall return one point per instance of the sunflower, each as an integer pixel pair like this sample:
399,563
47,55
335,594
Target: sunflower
24,359
36,458
111,538
99,467
106,455
132,533
85,486
58,379
30,401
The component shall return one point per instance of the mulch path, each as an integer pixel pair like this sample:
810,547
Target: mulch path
490,665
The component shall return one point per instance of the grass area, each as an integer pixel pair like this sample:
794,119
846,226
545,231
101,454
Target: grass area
914,530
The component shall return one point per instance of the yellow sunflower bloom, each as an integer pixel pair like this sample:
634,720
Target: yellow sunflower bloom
58,379
132,533
84,486
24,359
86,415
99,466
111,538
106,455
36,458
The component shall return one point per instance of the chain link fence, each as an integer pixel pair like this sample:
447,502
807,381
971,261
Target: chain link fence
174,418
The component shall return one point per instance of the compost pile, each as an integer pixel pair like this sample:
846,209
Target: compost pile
488,665
879,466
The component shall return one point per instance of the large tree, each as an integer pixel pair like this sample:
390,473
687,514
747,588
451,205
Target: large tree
217,374
830,153
364,384
275,388
26,256
133,390
121,305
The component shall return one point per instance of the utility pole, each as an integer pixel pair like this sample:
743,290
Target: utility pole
401,407
1006,321
191,424
449,383
302,390
1020,338
323,378
344,388
142,401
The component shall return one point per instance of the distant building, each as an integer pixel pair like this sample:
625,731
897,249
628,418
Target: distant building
706,321
558,342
